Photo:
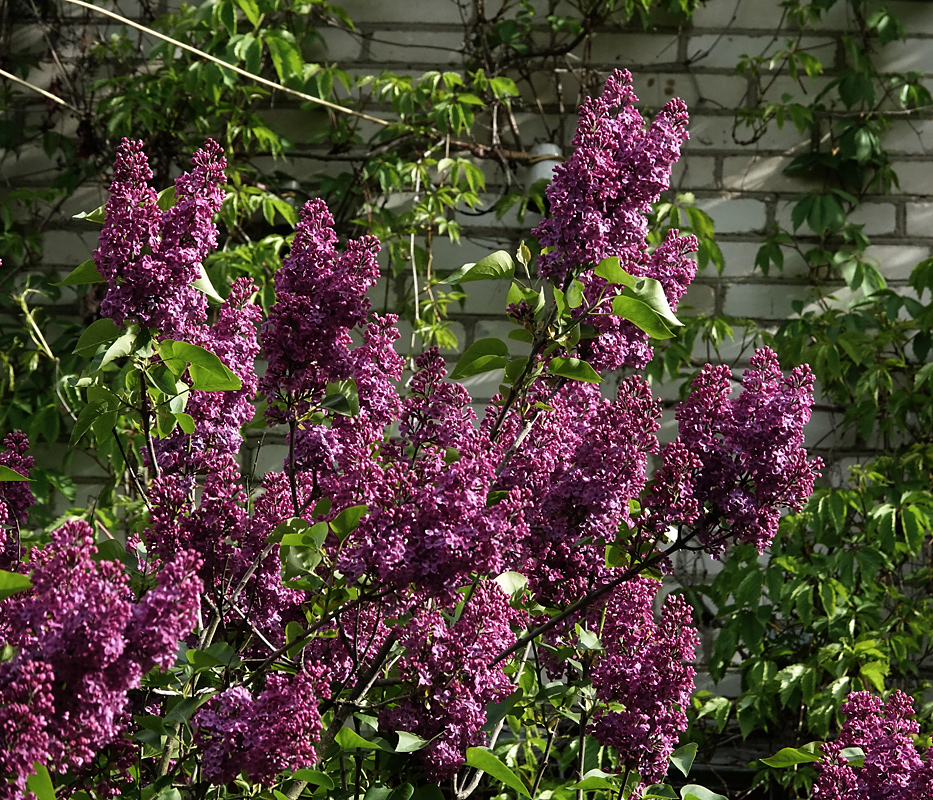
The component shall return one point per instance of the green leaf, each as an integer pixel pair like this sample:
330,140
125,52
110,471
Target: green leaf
348,521
86,272
12,583
693,792
203,284
166,199
574,369
789,756
349,739
409,742
121,347
481,356
873,672
101,331
596,779
88,416
482,759
496,265
8,474
40,784
642,316
682,757
208,373
512,583
99,214
185,421
611,269
660,791
313,776
342,397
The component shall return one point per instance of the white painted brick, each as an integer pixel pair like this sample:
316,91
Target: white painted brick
755,173
634,49
916,177
911,55
718,133
31,166
334,44
896,262
416,47
738,14
483,386
700,298
68,247
741,215
912,137
763,301
694,88
920,219
423,12
915,16
739,258
725,51
878,218
486,297
500,329
694,172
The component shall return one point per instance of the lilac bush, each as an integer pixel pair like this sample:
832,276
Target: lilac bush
410,579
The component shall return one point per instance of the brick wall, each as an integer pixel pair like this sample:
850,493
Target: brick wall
741,186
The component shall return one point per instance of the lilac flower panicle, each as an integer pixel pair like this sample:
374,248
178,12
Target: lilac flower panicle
16,498
261,735
598,200
150,258
737,461
646,668
893,767
85,642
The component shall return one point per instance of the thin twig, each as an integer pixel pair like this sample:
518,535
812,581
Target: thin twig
38,90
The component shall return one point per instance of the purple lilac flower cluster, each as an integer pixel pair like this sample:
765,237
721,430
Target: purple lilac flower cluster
571,483
82,643
598,200
644,668
15,498
150,258
736,461
451,669
320,295
261,735
892,769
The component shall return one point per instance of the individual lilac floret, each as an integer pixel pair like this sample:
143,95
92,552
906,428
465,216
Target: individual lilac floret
150,258
645,668
737,461
80,631
893,768
16,498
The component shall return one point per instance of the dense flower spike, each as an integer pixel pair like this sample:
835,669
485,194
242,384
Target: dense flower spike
645,668
893,768
737,461
600,194
150,258
598,200
86,643
16,498
451,667
320,296
263,735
